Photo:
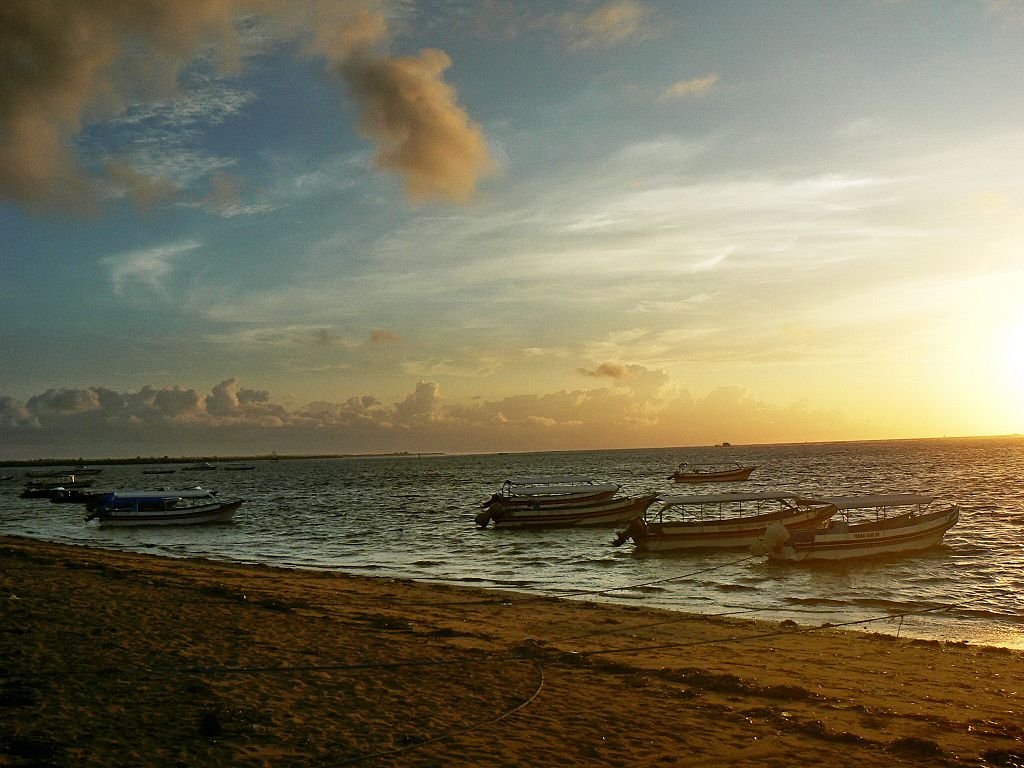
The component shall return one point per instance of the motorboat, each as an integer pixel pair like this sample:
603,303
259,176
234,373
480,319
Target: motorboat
49,488
711,473
238,467
864,526
536,491
611,511
186,506
158,471
719,520
202,467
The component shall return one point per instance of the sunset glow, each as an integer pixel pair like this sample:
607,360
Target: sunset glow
363,226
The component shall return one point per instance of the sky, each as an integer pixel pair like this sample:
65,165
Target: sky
337,226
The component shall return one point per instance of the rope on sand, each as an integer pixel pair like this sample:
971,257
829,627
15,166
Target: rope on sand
456,733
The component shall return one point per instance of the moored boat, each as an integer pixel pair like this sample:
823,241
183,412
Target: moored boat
48,489
186,506
158,471
533,492
719,520
711,473
573,514
865,526
552,489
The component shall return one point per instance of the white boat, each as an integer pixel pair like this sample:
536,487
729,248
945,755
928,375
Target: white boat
576,513
187,506
864,526
719,521
711,473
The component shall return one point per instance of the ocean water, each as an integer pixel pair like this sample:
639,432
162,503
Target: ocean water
412,517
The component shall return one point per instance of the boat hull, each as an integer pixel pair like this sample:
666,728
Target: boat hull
608,512
920,533
725,476
220,512
717,534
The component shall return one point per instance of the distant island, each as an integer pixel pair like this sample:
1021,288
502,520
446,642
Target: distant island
80,462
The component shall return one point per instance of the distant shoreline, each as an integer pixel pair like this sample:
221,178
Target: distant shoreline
80,462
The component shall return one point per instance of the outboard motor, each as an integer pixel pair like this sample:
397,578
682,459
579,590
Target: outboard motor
634,529
775,537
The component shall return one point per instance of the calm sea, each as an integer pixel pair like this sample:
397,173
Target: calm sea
413,517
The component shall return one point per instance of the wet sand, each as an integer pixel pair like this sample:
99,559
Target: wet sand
116,659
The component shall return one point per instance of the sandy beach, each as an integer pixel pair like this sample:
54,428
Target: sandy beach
116,659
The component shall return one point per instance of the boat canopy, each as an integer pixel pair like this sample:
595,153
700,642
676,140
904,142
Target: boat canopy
551,480
724,498
869,502
181,493
555,490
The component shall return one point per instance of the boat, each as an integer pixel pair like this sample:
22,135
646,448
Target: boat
864,526
238,467
186,506
532,492
5,478
87,470
47,489
719,520
711,473
570,514
202,467
158,471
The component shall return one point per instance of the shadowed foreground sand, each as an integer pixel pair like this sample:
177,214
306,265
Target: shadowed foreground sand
111,659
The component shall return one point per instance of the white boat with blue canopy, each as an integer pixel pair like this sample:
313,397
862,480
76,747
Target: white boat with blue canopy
185,506
719,520
864,526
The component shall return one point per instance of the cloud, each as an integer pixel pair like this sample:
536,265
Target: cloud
610,24
68,64
381,336
698,86
324,338
609,370
232,419
411,114
146,268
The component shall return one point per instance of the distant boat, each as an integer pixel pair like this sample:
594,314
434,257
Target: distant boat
711,473
238,467
5,478
86,470
201,467
864,526
158,471
187,506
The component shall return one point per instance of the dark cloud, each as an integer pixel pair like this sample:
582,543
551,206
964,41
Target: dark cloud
608,370
68,63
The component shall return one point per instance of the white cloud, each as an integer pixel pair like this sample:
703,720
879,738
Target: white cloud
147,268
